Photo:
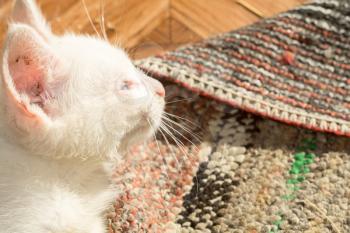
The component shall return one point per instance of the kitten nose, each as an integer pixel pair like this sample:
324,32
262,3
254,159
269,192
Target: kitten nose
161,91
157,87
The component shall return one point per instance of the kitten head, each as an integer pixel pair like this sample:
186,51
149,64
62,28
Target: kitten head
72,95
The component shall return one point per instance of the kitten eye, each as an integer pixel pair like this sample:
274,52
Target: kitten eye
124,87
127,85
131,89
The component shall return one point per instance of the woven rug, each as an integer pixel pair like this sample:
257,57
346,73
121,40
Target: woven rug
266,110
293,68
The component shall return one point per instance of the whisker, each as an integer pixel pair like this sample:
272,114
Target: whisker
182,118
162,127
102,20
89,17
183,127
171,149
177,142
155,139
176,101
184,137
185,153
181,148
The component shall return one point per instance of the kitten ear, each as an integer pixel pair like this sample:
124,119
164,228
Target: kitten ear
26,12
27,65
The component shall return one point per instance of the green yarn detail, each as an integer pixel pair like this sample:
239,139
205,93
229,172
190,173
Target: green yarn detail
277,224
303,157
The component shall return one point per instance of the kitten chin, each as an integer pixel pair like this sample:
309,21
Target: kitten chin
68,104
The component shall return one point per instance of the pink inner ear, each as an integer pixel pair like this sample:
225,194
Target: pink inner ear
28,79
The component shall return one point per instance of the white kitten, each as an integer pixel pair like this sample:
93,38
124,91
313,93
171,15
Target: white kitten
68,107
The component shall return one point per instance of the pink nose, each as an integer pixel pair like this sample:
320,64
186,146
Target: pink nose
157,87
161,92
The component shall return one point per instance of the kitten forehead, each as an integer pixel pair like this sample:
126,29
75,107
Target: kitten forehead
94,61
87,49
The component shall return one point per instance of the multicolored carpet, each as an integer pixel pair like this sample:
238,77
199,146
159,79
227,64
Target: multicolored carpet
270,104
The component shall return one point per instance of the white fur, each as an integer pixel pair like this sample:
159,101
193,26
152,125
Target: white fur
59,148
